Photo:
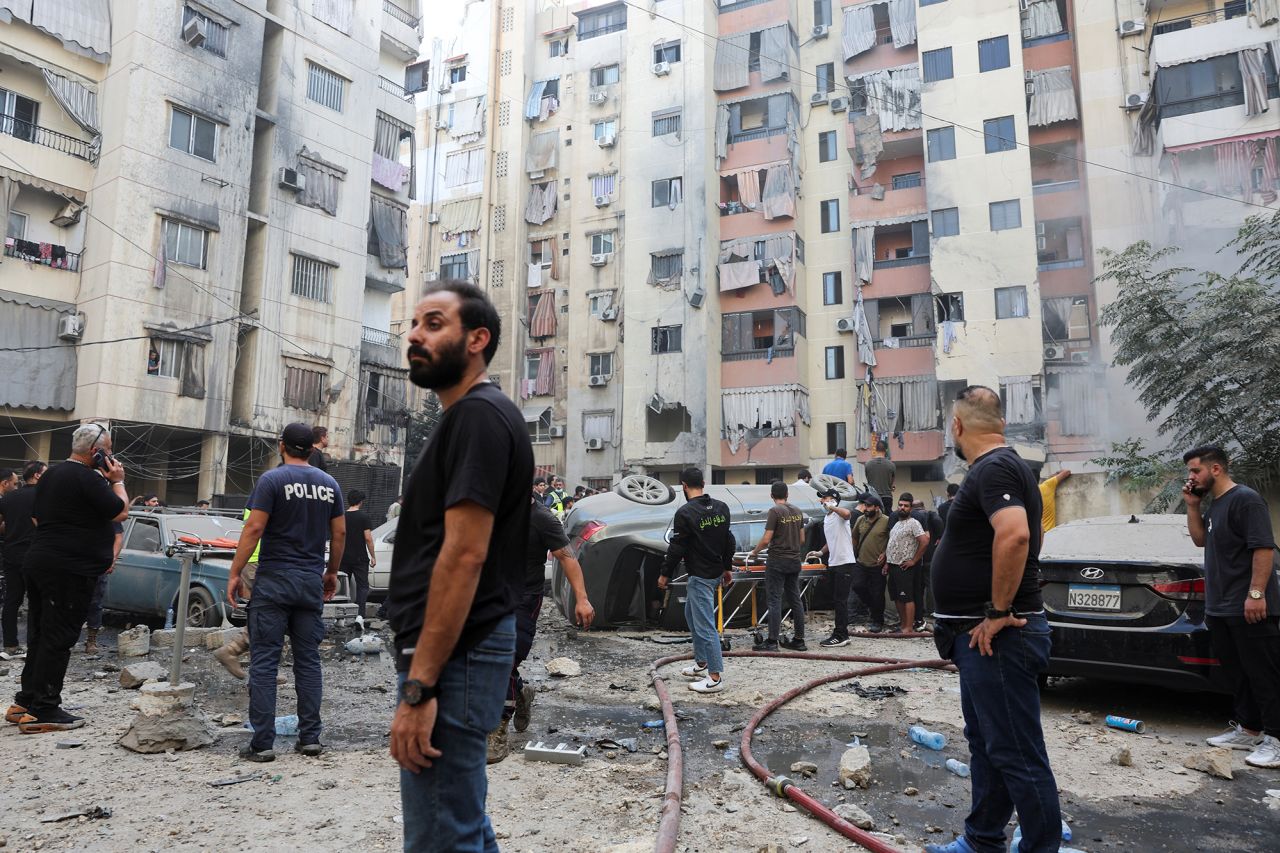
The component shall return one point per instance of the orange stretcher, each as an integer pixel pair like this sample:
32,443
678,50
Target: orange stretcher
753,575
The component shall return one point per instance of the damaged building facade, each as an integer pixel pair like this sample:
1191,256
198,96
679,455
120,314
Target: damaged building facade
206,212
744,234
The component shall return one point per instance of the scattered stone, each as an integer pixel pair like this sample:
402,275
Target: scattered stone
790,809
136,674
772,848
720,744
855,815
326,784
1084,718
855,767
732,807
69,744
932,828
164,638
563,667
1215,762
1123,757
177,728
910,791
229,720
799,840
134,643
804,768
1163,740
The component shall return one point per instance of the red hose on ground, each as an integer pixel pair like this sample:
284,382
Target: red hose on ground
669,825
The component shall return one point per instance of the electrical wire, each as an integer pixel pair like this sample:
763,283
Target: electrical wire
81,344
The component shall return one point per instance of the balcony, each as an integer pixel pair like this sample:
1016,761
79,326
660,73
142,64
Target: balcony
377,277
43,136
380,348
899,263
390,86
401,31
66,261
1199,19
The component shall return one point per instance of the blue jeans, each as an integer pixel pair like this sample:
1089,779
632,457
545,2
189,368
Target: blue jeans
1008,762
444,804
285,602
94,619
700,613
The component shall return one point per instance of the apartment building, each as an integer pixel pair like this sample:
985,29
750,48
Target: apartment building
207,216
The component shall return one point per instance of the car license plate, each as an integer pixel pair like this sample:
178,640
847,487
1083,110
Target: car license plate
1082,597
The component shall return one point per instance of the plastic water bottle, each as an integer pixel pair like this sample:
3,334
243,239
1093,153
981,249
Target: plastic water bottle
958,767
1017,835
926,738
168,619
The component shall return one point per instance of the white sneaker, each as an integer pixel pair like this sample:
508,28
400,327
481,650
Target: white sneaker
697,670
1266,755
706,685
1236,738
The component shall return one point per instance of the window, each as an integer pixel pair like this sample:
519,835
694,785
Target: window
600,363
929,2
1065,318
906,180
602,243
597,484
665,339
759,333
937,64
599,22
946,222
1011,302
999,134
540,428
144,536
454,266
668,52
826,75
17,225
822,13
1060,243
1006,215
950,307
604,75
1234,9
605,129
664,267
666,122
558,47
753,52
457,73
312,278
827,146
835,362
193,134
830,213
836,432
18,115
215,34
993,53
325,87
1209,84
416,77
184,244
165,358
768,476
541,252
942,144
832,288
666,192
599,302
305,389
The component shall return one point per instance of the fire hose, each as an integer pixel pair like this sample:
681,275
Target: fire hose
781,786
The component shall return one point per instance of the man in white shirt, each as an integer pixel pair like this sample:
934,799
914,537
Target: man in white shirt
840,562
802,479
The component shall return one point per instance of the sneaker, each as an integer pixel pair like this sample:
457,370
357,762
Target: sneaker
310,750
1266,755
261,756
12,652
834,642
875,629
16,714
921,627
796,645
957,846
1236,738
524,707
499,743
696,671
707,685
765,646
56,720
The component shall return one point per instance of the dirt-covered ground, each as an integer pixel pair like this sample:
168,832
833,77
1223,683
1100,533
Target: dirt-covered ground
348,799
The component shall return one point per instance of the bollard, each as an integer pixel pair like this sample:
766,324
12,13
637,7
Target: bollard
180,624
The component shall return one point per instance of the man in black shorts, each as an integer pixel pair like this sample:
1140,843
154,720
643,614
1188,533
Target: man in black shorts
908,542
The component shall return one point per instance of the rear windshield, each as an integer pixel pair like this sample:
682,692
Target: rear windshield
206,527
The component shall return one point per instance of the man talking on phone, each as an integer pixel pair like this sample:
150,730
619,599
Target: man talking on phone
73,545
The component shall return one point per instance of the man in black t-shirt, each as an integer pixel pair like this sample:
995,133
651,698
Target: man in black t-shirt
457,573
990,622
1242,599
75,505
319,441
16,509
358,555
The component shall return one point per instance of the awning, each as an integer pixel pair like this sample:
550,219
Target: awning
458,217
758,168
461,57
42,184
39,370
555,31
43,64
891,220
1196,146
1200,43
533,414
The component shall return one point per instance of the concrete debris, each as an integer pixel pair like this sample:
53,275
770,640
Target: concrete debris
1215,762
164,638
1084,718
69,744
855,815
326,784
559,754
804,768
798,840
732,807
911,792
178,728
855,767
772,848
1122,757
564,667
135,642
219,637
720,744
91,812
367,644
136,674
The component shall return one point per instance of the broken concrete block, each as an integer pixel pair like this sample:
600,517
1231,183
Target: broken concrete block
855,815
855,767
177,729
136,674
134,643
564,667
721,744
339,613
218,638
1215,762
805,768
164,639
1122,757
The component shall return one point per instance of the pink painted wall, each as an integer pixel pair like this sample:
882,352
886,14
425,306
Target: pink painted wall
901,281
917,447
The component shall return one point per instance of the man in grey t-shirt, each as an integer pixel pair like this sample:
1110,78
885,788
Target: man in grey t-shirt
881,472
784,537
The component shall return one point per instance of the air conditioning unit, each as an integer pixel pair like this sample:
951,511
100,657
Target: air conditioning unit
68,215
599,260
445,86
195,31
602,201
1136,101
839,105
595,444
662,69
818,98
1042,243
599,96
556,432
442,123
1132,28
1081,356
1030,87
433,275
820,31
290,179
1055,352
70,327
697,298
609,315
598,381
605,141
433,219
844,324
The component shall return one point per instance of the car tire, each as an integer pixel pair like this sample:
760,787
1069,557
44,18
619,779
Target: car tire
645,490
202,610
823,482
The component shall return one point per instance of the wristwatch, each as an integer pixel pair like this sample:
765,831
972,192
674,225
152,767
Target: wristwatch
414,692
1257,594
990,611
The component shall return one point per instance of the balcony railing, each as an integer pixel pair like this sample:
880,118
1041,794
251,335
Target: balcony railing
1199,19
399,14
909,341
69,261
37,135
379,337
756,133
388,85
1054,186
758,354
894,263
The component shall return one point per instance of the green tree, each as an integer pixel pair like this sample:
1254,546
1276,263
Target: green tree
421,424
1203,352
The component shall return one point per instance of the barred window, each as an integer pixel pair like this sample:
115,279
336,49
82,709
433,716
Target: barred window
312,279
325,87
454,266
305,389
665,123
215,34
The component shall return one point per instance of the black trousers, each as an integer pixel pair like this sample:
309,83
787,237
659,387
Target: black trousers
59,604
841,583
1250,657
527,612
360,577
15,586
868,585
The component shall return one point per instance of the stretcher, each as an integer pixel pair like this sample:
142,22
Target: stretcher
753,574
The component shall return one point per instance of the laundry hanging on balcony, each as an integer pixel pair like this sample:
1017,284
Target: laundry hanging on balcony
867,143
736,275
1041,18
542,324
893,94
775,408
542,203
1053,97
542,153
779,197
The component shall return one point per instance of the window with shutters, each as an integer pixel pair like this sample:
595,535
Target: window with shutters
666,122
1006,215
942,144
993,53
312,278
185,244
305,389
193,134
937,64
999,134
325,87
946,222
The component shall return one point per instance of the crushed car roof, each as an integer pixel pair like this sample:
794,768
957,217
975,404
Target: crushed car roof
1119,538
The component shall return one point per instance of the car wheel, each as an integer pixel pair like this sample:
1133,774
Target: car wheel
822,482
645,490
202,611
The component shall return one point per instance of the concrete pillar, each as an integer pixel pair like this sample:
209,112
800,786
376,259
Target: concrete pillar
42,445
213,466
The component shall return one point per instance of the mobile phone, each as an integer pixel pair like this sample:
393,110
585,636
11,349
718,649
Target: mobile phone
101,460
1194,489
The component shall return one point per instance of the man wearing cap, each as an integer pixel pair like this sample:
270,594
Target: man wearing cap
293,510
870,541
840,562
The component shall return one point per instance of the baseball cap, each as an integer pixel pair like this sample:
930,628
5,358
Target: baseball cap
297,436
829,493
870,499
